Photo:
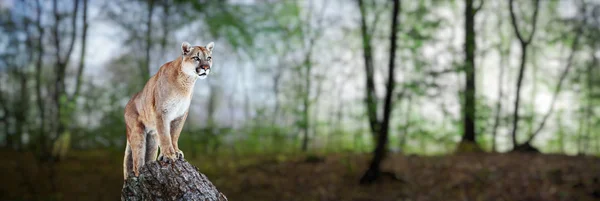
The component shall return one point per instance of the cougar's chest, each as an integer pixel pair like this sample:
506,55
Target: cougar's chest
176,107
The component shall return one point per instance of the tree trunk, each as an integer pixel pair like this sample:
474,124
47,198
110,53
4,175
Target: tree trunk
561,133
589,107
524,42
469,104
518,94
503,61
175,181
8,141
468,142
407,123
145,69
371,98
63,113
38,81
306,100
374,170
82,53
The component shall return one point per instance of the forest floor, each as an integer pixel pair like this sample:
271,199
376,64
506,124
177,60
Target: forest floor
98,176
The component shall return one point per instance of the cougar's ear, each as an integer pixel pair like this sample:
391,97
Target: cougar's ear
186,48
210,46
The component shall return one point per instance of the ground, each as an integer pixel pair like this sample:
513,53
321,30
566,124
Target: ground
477,176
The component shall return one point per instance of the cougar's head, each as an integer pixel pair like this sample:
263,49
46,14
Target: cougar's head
197,60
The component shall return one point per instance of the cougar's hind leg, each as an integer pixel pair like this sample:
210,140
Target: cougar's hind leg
151,146
137,144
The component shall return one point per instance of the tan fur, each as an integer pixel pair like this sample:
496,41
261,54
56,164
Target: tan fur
155,115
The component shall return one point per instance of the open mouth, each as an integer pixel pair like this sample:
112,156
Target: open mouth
201,72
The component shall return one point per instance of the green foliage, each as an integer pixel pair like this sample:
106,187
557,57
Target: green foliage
62,145
276,138
297,54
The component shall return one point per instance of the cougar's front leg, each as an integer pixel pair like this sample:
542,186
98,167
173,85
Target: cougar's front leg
176,127
166,147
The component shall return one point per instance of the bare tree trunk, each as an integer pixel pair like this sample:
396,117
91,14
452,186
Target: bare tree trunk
306,100
276,90
374,170
177,181
22,109
580,131
468,142
594,71
524,44
145,69
38,80
5,119
469,106
407,123
61,65
58,68
561,133
589,106
371,97
503,58
82,54
165,21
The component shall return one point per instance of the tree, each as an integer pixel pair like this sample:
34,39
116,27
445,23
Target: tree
524,43
468,141
145,67
65,103
42,138
504,49
382,126
371,98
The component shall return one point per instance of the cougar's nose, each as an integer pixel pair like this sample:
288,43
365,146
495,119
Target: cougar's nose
204,67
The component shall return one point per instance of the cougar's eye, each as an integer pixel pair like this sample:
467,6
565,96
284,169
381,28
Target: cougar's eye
196,58
209,58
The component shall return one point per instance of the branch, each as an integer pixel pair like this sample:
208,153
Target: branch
73,34
445,71
376,19
478,8
563,75
55,30
534,23
514,21
516,27
391,82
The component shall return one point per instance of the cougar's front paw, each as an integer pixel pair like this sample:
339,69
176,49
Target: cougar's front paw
179,154
167,157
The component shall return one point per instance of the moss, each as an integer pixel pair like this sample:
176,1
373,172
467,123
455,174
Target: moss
468,147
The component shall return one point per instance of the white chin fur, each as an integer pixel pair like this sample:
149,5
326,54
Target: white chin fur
203,76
